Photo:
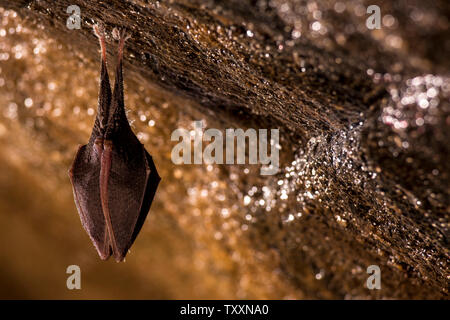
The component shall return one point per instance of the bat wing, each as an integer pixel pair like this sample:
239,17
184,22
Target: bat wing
84,175
153,180
131,186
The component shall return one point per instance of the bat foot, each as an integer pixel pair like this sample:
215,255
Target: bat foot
99,31
122,36
116,34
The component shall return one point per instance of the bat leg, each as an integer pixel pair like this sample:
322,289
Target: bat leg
104,97
122,36
118,105
100,33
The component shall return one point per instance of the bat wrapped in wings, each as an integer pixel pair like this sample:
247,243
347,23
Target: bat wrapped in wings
113,177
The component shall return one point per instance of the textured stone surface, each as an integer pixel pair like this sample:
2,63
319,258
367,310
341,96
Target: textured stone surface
364,117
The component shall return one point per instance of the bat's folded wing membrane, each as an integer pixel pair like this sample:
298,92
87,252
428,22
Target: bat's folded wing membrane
153,180
128,197
84,175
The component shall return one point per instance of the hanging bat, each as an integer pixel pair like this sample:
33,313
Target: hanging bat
113,177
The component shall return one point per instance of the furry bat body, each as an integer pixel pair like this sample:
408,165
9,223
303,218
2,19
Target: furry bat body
113,177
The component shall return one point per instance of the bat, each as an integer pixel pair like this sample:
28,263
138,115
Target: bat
113,177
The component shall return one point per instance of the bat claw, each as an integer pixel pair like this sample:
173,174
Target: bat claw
120,35
99,31
116,34
125,36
